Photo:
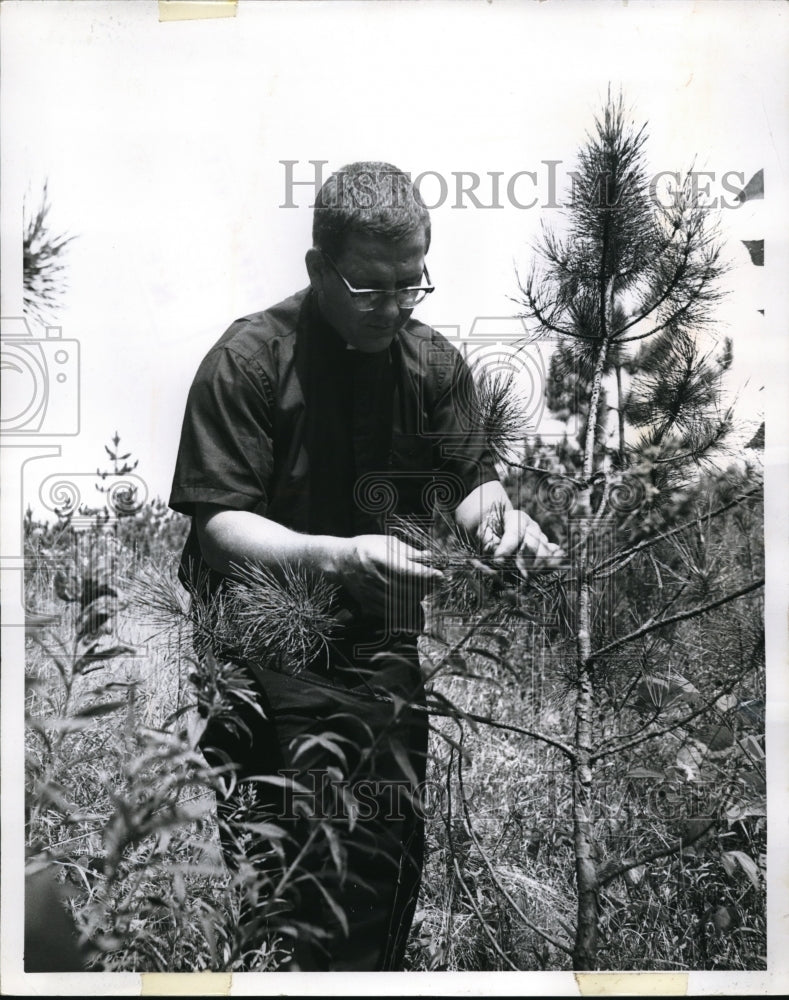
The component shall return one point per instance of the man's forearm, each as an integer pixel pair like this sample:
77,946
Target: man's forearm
231,538
365,565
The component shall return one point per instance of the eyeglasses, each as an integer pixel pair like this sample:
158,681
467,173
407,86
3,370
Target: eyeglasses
367,299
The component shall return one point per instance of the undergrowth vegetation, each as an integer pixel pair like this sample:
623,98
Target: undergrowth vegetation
121,804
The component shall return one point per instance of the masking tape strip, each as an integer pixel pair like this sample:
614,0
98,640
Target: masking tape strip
192,10
189,984
612,984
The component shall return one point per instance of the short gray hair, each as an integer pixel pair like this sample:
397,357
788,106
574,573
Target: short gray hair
369,198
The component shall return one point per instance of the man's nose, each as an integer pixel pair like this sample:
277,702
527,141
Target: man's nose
389,309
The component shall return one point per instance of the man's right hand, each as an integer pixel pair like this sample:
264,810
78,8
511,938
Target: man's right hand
381,571
377,571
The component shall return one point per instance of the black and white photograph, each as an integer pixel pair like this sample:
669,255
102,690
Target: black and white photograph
394,473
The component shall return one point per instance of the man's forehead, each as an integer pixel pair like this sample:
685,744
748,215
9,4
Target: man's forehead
363,252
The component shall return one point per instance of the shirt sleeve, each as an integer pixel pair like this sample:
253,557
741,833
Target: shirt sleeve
458,424
225,456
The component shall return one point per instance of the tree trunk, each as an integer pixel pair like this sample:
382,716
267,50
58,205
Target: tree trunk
585,947
621,416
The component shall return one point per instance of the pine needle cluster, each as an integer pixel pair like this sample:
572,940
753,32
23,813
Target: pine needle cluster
502,416
283,621
43,267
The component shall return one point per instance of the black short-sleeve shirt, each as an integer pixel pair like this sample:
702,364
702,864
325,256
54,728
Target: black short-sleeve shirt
283,420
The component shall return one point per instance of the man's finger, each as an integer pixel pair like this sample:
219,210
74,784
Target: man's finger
510,540
523,536
488,537
407,560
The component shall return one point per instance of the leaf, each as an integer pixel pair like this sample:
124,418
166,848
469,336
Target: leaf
268,830
454,711
55,794
97,655
688,760
398,702
745,862
66,586
280,782
635,875
659,693
57,725
336,909
196,725
325,740
401,756
113,686
334,846
728,863
100,708
717,738
752,747
350,803
750,807
207,927
726,702
93,620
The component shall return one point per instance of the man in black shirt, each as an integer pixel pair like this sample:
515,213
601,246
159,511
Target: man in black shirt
308,428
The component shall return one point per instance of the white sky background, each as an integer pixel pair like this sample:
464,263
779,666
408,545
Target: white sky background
162,142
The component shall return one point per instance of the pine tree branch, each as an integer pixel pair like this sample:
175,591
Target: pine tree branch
557,744
682,616
693,298
607,876
679,273
627,274
628,554
546,472
548,324
673,599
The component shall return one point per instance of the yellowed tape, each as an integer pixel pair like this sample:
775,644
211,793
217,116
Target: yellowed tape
188,984
191,10
612,984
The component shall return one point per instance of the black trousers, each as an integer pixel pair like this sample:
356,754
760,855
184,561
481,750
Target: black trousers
324,809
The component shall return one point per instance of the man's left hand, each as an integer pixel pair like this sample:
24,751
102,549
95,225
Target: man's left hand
521,538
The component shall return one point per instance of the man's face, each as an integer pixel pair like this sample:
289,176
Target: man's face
367,262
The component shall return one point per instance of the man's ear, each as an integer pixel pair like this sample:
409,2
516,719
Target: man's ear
315,268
